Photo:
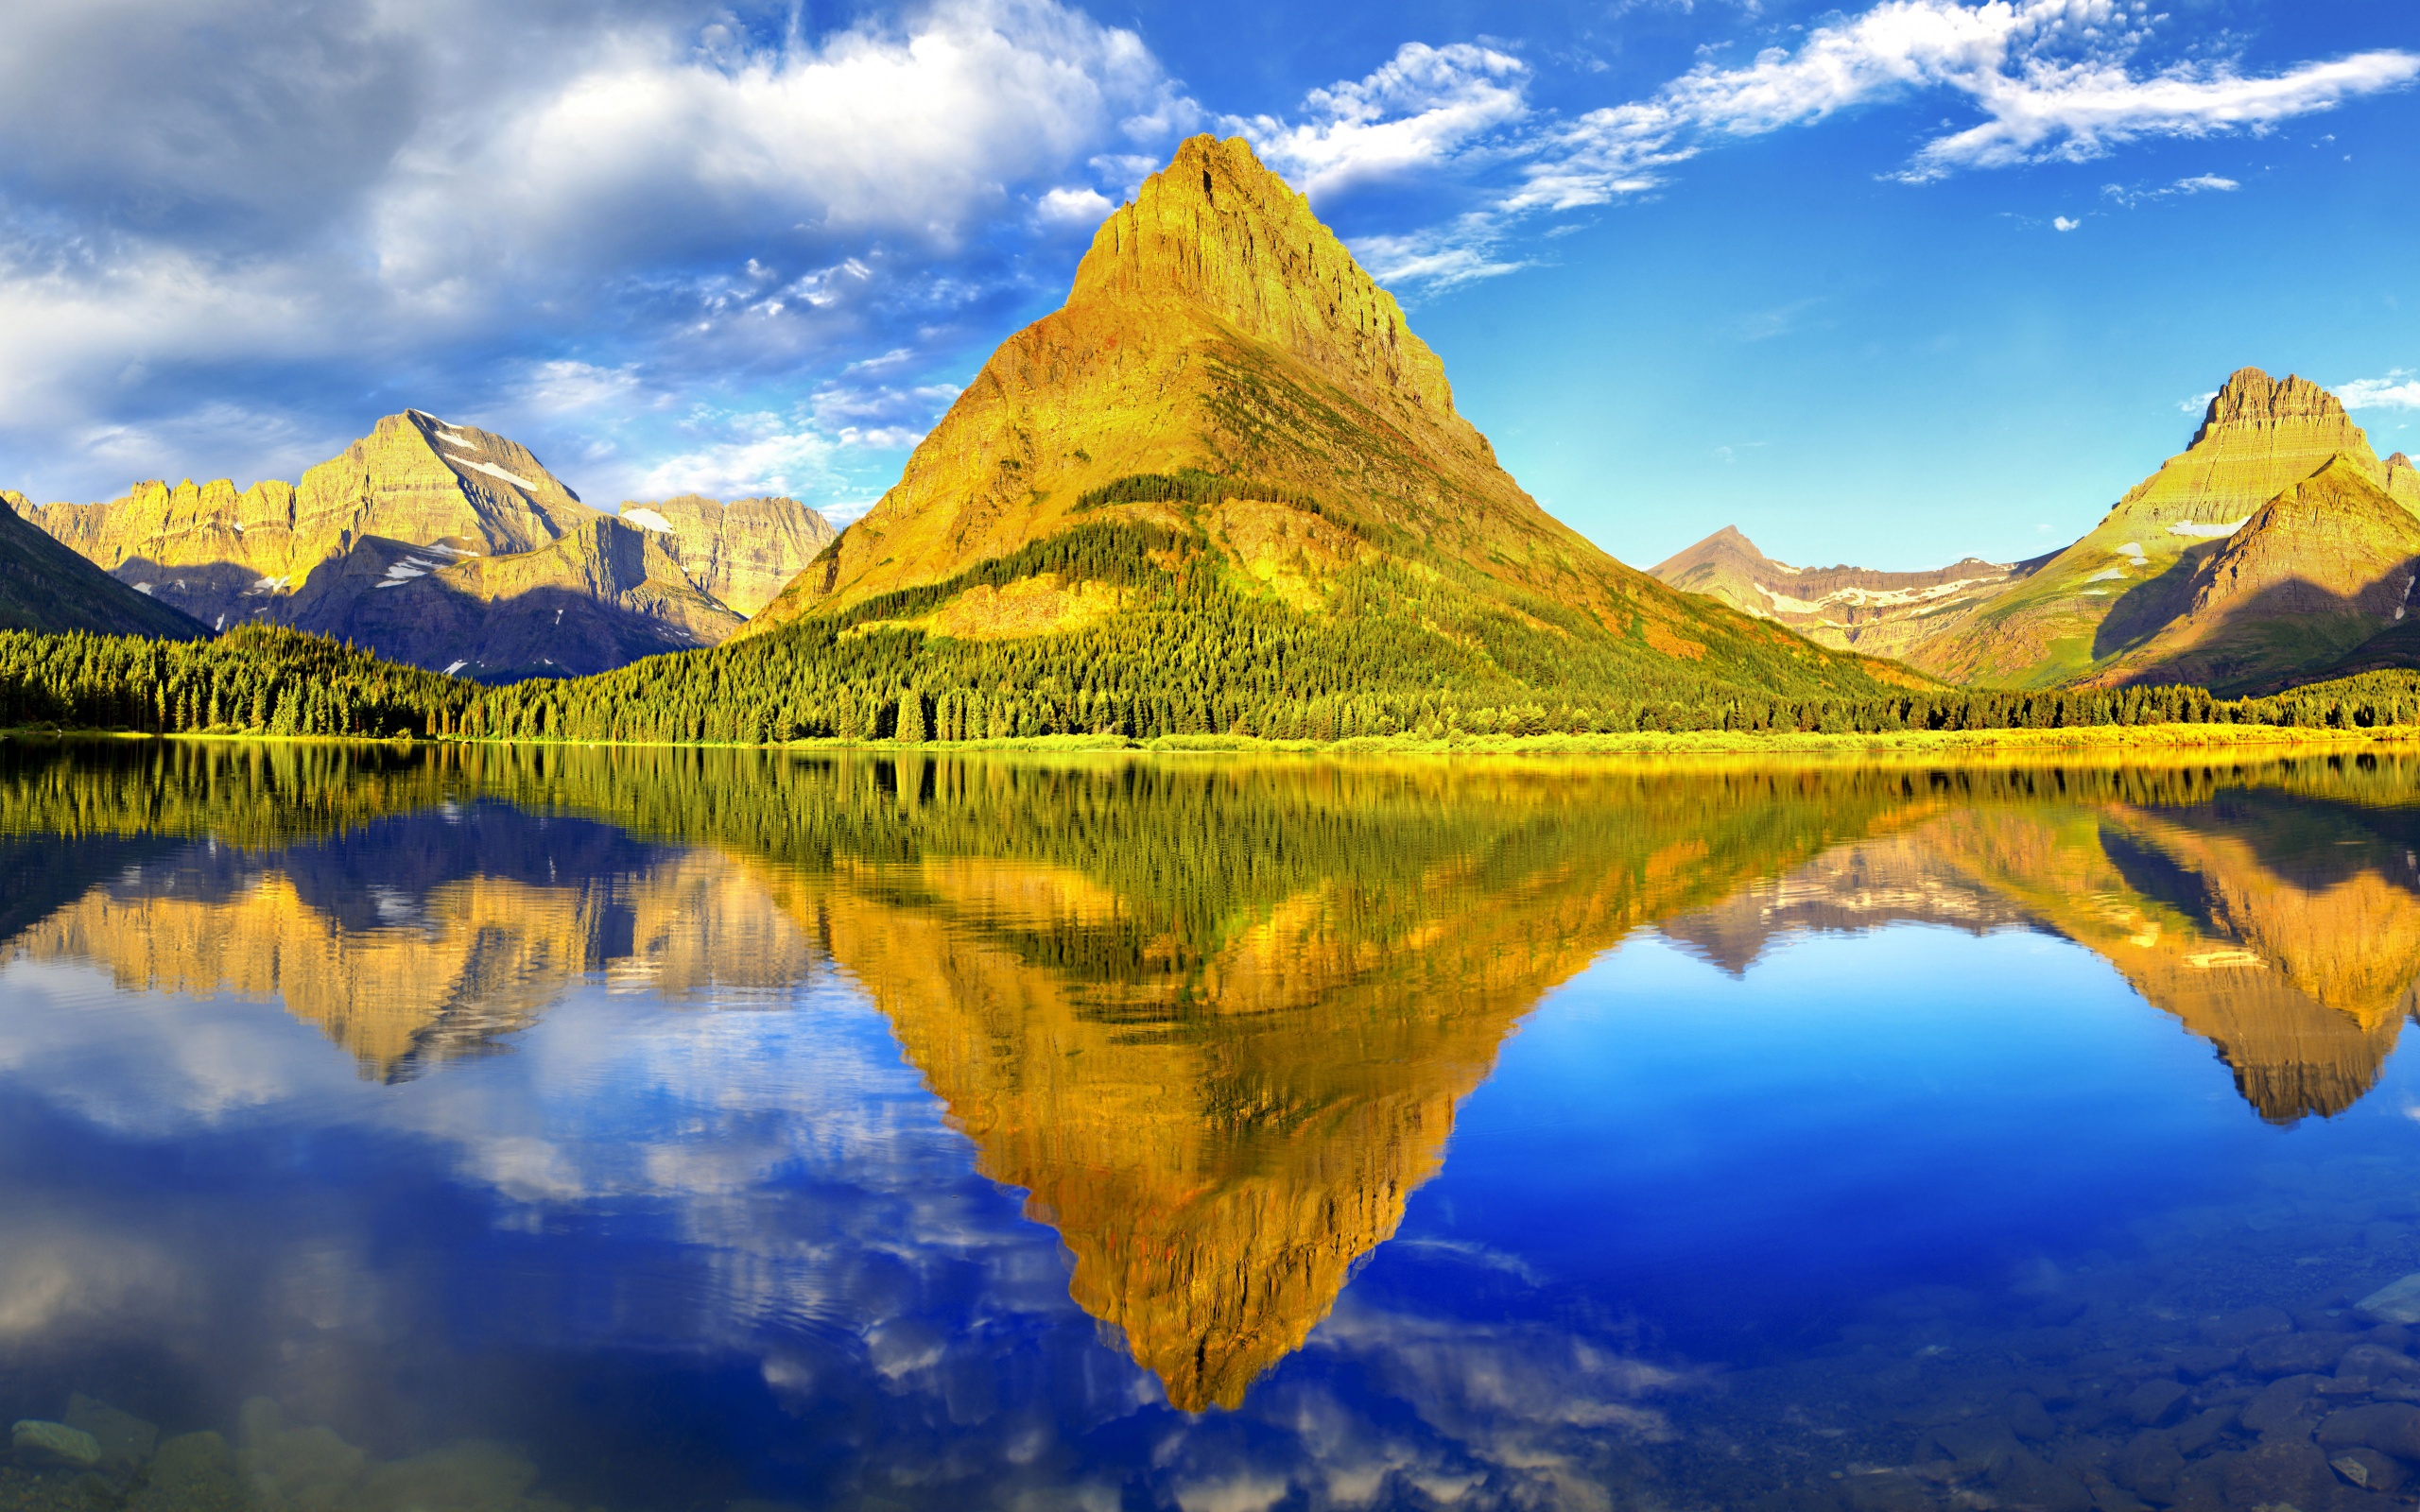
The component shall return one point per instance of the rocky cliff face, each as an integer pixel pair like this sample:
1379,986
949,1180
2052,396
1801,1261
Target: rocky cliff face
1215,330
449,548
1880,613
2124,583
743,552
43,586
2402,482
224,555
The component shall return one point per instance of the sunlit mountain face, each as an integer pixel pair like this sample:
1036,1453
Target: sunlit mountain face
952,1131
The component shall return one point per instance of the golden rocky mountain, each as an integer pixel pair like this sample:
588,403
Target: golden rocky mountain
1224,373
2316,571
1858,608
2271,551
448,547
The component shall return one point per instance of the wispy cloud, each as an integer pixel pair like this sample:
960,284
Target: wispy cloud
2053,80
2398,389
2201,183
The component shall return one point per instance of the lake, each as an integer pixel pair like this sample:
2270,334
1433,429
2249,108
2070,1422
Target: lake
521,1128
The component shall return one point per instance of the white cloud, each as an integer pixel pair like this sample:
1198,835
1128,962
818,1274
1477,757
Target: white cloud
2062,223
2050,76
572,386
2201,183
853,188
2052,79
907,131
755,454
1077,207
1423,106
2398,389
1440,257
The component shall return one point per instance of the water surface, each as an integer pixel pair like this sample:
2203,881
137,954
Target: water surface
521,1128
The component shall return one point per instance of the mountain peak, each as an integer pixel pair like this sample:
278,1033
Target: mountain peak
2251,398
1217,230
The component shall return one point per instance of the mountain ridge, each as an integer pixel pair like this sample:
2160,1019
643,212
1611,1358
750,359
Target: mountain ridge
447,548
2277,486
1860,608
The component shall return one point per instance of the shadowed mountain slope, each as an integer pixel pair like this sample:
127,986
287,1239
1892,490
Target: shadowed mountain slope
2320,569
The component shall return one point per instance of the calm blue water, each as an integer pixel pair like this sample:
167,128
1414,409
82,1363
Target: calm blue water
644,1132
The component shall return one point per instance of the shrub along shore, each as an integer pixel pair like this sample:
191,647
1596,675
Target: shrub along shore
258,681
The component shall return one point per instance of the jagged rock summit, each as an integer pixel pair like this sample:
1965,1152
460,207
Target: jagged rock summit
450,547
1224,370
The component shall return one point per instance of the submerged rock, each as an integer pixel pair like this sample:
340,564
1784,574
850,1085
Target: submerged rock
46,1445
2391,1426
2397,1301
192,1473
126,1441
2368,1469
2293,1354
2157,1403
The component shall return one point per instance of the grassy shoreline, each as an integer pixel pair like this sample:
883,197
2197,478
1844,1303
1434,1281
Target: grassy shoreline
2098,740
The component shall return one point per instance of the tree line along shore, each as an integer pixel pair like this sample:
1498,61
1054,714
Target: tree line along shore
815,684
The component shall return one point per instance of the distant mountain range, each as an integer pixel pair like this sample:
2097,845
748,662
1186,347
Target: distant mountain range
443,546
2275,549
1225,489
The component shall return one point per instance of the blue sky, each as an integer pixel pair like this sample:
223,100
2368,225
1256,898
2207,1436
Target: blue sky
1888,283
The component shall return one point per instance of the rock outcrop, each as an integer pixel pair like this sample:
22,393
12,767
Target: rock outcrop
2403,482
1879,613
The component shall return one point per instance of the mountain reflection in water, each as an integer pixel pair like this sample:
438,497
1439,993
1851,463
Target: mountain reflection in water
1211,1019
